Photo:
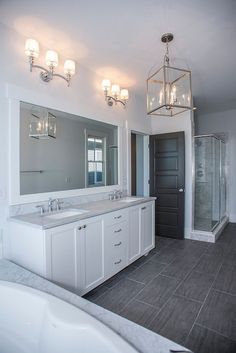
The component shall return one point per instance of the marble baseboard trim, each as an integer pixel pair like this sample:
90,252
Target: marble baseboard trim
210,237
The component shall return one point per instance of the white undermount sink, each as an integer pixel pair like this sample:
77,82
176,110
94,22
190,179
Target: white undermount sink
66,213
131,199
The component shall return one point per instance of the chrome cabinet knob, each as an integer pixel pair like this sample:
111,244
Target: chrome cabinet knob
181,190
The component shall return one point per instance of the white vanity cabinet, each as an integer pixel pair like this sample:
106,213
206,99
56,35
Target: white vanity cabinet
90,254
116,233
147,227
134,250
83,254
141,230
61,255
74,254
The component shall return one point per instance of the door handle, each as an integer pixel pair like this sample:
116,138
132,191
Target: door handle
181,190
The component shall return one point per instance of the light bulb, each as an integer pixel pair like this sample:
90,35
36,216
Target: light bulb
69,67
161,97
106,84
32,48
115,90
124,94
51,58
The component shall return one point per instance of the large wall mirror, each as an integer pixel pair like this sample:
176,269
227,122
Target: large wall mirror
61,151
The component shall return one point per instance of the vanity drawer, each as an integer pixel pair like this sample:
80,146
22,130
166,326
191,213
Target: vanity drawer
115,258
116,233
115,217
116,247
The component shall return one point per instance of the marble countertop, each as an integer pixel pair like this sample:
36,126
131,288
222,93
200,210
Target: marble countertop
94,209
143,340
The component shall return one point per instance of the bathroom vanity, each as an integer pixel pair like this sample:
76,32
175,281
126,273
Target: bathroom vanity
80,248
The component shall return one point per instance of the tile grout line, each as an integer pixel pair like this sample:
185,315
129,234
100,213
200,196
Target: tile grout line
181,282
143,302
223,292
212,330
203,303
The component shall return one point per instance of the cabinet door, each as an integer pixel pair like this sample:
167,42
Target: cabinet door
147,227
61,256
90,250
134,251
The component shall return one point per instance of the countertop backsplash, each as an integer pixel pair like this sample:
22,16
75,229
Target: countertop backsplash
22,209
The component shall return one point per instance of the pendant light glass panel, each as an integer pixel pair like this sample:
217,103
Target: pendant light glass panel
169,91
42,125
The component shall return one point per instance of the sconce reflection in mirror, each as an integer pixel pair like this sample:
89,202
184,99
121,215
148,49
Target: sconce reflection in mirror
51,59
113,93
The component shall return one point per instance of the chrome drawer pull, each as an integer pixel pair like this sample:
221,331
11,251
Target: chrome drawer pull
118,244
143,208
117,217
118,262
118,231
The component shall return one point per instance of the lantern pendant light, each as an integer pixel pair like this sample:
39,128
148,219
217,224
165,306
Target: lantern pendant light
169,88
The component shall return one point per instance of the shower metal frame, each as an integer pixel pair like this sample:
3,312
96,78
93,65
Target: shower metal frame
221,217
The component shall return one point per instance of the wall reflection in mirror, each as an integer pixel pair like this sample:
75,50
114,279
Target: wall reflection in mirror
61,151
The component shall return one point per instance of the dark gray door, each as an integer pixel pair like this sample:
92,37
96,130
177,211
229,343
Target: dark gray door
167,170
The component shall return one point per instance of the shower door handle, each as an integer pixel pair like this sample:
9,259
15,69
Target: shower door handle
181,190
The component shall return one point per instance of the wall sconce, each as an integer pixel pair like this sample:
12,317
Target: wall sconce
113,93
51,59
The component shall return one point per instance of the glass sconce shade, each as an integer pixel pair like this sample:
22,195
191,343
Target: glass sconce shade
51,58
69,67
32,48
113,93
115,90
42,125
106,84
124,94
169,91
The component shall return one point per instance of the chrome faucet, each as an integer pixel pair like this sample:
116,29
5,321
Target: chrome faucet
117,194
58,204
50,204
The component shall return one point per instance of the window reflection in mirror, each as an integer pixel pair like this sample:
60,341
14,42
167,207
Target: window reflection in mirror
80,153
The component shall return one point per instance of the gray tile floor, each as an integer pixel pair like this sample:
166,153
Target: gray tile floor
184,290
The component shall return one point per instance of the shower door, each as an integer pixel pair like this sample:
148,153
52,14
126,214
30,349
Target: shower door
210,193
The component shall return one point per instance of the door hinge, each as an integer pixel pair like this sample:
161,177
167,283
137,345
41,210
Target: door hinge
148,181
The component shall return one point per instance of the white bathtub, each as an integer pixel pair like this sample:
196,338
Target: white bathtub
35,322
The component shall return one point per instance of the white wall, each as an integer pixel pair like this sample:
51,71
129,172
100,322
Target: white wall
223,122
84,98
183,122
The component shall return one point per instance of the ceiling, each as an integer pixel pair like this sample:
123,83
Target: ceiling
120,40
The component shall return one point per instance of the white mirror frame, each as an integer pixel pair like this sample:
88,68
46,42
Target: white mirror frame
15,96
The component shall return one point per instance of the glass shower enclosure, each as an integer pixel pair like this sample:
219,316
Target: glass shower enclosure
210,182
